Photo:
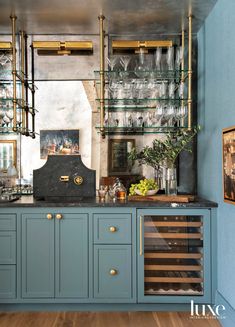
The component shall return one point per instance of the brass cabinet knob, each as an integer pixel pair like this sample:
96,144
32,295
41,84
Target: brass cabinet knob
113,272
49,216
58,216
112,229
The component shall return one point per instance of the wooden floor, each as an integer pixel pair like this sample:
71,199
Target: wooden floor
103,319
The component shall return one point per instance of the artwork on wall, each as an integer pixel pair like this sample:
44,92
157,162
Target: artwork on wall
118,155
7,154
59,142
229,164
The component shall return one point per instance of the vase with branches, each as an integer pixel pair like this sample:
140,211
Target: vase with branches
164,152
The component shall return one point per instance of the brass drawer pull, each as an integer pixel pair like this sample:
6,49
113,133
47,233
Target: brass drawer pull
64,178
78,180
49,216
112,229
113,272
58,216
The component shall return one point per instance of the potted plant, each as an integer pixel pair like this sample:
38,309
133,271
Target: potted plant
164,153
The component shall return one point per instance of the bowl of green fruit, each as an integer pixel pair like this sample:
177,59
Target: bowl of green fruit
146,187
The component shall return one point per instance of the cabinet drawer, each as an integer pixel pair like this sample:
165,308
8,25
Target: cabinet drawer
112,228
7,221
7,281
7,247
112,271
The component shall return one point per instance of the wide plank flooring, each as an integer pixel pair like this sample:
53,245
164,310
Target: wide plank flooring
103,319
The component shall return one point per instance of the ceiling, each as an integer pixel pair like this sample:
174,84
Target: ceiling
122,16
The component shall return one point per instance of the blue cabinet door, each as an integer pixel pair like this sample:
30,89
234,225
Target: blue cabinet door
113,272
72,255
37,256
174,255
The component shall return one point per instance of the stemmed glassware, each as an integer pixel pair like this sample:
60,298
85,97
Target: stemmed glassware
158,57
112,61
170,58
124,61
178,57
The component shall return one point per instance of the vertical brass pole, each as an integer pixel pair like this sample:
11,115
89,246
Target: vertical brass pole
13,20
102,82
22,44
182,71
190,72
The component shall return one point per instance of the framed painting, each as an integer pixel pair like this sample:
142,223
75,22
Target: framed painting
229,164
59,142
8,155
118,155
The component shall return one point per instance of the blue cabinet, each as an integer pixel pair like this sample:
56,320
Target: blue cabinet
38,239
113,272
54,255
7,256
174,256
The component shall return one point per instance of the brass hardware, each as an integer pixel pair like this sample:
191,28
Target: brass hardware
58,216
113,272
5,45
23,114
141,235
190,72
135,45
112,229
102,81
13,26
78,180
62,48
64,178
182,68
49,216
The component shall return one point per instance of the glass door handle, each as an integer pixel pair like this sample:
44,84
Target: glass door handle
141,235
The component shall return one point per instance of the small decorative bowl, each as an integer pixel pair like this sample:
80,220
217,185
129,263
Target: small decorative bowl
149,193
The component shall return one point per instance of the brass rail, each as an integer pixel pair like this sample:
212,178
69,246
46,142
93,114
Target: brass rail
13,26
190,72
102,82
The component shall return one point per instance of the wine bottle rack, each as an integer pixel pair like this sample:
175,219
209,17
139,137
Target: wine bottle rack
173,255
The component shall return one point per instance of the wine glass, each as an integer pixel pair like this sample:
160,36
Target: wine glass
112,61
158,57
170,58
178,57
124,61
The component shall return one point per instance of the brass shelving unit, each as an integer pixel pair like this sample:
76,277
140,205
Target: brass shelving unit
107,105
18,104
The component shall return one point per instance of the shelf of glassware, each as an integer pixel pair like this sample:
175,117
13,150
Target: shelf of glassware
177,75
6,103
123,130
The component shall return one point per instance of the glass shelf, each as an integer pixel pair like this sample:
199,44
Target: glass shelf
121,130
157,74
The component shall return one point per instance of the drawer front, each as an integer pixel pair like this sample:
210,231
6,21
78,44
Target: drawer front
7,282
112,271
112,228
7,221
7,247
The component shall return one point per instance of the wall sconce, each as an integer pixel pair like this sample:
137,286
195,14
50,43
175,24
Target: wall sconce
57,48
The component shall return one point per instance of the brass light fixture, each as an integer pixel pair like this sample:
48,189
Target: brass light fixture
5,45
58,48
135,46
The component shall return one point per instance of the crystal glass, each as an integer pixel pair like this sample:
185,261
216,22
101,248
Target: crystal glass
170,58
112,61
124,61
158,57
178,57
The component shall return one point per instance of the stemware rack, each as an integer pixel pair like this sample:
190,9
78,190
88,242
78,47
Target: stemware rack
17,112
120,105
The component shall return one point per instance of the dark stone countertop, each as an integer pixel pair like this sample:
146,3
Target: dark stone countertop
29,201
